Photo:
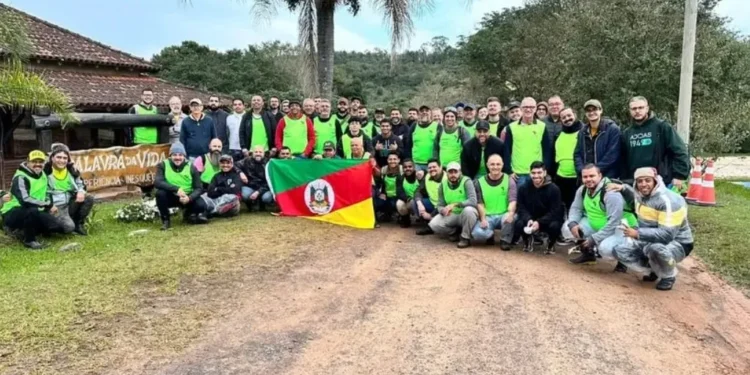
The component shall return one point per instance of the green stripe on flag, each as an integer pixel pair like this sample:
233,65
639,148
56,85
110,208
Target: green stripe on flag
300,172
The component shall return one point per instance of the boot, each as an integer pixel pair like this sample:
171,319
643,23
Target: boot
586,257
33,245
455,237
463,243
249,205
490,241
666,283
166,224
504,246
621,268
550,248
201,219
80,230
404,221
528,245
425,231
651,277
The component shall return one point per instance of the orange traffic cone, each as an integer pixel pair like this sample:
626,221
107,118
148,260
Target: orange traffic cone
708,194
694,192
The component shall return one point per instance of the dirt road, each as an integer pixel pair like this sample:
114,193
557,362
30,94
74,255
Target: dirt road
410,305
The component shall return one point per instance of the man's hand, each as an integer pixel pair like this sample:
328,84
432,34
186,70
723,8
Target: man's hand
447,210
508,218
576,230
426,215
6,198
630,232
53,210
393,146
484,224
588,244
614,187
534,226
382,196
514,176
80,196
243,177
677,184
181,193
185,199
318,157
254,195
379,146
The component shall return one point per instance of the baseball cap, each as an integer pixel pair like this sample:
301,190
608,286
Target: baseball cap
37,155
593,103
295,101
328,145
196,101
453,166
460,105
512,105
343,100
421,108
450,109
483,125
225,157
380,110
469,106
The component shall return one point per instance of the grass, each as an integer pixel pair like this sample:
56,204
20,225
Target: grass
721,233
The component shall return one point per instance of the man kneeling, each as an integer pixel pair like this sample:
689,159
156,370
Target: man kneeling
540,209
256,189
67,191
223,195
178,184
457,202
496,202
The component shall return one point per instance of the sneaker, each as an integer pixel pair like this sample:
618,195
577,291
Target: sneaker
564,242
528,246
463,243
550,250
504,246
620,268
490,241
586,257
404,221
454,238
425,231
650,278
33,245
666,283
166,224
201,219
80,230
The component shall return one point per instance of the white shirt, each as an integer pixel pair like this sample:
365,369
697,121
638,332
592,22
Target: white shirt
233,128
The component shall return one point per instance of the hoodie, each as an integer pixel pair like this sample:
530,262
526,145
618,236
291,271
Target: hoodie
603,150
662,216
654,143
542,204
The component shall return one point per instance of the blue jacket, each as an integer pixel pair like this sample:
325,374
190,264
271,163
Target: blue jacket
196,135
606,148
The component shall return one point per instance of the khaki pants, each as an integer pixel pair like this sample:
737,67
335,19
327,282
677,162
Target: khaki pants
464,221
404,208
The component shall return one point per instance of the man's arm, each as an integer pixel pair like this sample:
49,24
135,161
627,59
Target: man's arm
441,198
578,153
610,161
160,181
548,153
512,196
244,130
280,134
508,150
20,190
471,195
522,206
436,145
556,206
480,200
669,220
677,151
197,184
614,205
310,138
400,192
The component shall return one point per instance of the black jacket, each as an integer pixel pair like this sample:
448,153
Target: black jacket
19,189
472,153
246,129
274,117
160,181
255,172
381,157
220,124
543,204
225,183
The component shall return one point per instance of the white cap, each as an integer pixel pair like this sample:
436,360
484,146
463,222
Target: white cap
453,166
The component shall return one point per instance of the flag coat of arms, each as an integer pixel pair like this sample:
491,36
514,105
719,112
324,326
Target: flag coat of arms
335,191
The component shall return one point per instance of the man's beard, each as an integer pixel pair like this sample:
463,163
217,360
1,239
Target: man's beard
214,157
214,107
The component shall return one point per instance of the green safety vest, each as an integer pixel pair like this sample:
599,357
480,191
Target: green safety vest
423,140
471,129
527,145
596,212
494,127
495,197
565,147
209,171
482,165
183,179
346,144
37,190
344,123
456,195
367,128
365,156
410,187
66,184
432,188
324,131
147,136
295,134
390,182
450,147
259,138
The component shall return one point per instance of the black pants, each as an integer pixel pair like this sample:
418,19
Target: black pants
552,228
32,221
166,199
568,187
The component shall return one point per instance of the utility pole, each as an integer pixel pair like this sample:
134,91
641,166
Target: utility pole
686,71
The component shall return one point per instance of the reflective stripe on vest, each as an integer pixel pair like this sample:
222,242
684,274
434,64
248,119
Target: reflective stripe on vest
183,179
295,134
527,145
37,190
450,147
456,195
495,197
565,147
324,131
143,135
423,140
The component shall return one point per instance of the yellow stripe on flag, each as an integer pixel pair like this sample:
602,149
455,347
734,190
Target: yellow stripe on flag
359,215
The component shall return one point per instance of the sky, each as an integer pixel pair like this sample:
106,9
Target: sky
144,27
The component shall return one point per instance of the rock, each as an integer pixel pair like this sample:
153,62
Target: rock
139,232
75,246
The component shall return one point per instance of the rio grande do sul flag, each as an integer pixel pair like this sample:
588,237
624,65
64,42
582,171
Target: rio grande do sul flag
336,191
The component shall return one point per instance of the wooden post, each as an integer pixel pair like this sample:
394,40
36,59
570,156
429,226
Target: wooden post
44,137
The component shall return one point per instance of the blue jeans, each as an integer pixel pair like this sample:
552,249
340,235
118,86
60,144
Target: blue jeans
247,191
523,179
387,205
495,222
606,247
427,206
420,167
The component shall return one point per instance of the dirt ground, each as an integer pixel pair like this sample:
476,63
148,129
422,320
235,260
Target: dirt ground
389,302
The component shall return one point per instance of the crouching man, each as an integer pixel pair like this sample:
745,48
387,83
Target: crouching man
67,191
223,194
178,184
663,237
496,199
256,189
457,207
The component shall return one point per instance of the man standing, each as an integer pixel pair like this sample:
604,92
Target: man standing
663,235
296,131
437,115
553,124
478,149
426,196
175,110
234,122
354,132
354,106
284,108
219,116
197,130
412,117
178,184
274,110
540,209
368,127
496,203
450,140
566,177
326,130
398,127
30,208
222,197
526,141
379,117
596,215
598,142
651,142
257,128
140,135
256,189
494,116
422,139
514,111
67,191
342,114
469,121
406,188
457,202
308,108
385,143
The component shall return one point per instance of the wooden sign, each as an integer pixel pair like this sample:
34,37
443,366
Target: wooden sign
119,166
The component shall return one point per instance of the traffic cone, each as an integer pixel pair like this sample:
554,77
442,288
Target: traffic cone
694,192
707,195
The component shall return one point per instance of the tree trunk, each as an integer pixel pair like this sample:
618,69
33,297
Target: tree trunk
325,47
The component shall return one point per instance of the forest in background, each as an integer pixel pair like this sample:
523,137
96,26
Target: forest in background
579,49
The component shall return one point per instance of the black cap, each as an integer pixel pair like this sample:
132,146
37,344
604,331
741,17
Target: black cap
469,106
380,110
424,107
483,125
514,104
295,101
460,105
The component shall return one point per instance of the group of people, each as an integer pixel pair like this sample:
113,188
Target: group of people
530,170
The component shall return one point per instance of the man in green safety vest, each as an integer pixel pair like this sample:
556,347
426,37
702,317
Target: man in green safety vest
450,139
296,131
326,130
406,188
208,164
422,138
426,197
387,186
140,135
30,208
257,128
368,126
469,121
342,115
566,177
495,116
354,132
496,204
67,191
178,184
379,117
595,216
457,205
526,141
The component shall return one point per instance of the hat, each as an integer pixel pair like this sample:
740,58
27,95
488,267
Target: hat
512,105
37,155
469,106
450,109
226,157
483,125
177,148
295,101
593,103
58,148
542,104
644,172
328,145
453,166
460,104
380,110
196,101
424,107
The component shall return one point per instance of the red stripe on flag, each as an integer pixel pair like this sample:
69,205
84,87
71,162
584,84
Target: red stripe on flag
349,186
